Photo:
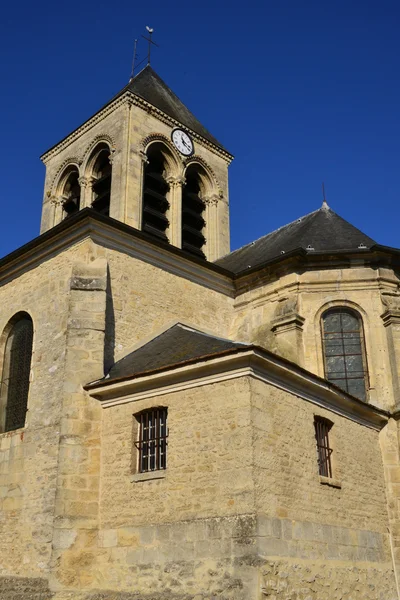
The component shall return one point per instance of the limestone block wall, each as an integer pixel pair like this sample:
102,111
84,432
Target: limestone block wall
147,125
110,127
128,128
308,295
29,456
326,539
179,536
142,298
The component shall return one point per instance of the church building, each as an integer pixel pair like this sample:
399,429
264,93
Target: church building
182,422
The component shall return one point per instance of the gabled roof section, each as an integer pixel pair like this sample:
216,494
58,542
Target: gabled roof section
177,345
321,231
150,87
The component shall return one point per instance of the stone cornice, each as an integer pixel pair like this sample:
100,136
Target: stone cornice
130,99
87,224
251,361
257,276
104,230
86,126
164,118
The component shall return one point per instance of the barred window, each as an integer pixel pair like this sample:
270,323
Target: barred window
15,376
344,351
324,451
152,442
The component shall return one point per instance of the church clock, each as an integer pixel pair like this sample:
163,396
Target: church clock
183,142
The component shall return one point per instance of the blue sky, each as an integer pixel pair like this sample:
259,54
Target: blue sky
300,93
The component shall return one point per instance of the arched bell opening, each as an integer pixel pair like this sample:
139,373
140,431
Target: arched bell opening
101,174
155,194
193,212
71,193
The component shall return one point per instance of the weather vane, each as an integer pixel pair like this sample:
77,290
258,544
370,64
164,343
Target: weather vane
135,54
150,31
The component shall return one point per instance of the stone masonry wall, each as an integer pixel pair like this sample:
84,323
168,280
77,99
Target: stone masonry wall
325,539
29,456
142,298
308,294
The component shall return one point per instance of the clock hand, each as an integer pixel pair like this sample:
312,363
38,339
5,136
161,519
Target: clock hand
185,144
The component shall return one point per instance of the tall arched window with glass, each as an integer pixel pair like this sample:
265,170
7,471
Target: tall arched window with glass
344,351
15,375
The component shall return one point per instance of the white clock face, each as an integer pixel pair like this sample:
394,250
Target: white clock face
182,141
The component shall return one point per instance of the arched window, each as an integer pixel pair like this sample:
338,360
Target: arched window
15,376
102,180
71,194
344,351
155,190
192,214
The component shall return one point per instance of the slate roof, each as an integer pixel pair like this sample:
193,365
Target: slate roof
178,344
149,86
323,230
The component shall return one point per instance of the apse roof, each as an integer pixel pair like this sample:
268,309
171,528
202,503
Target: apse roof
321,231
149,86
174,346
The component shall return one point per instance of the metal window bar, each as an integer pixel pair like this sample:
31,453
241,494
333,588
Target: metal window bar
152,443
342,378
322,428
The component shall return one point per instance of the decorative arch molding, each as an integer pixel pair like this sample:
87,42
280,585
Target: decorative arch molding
199,160
175,164
72,161
16,316
96,141
339,304
157,137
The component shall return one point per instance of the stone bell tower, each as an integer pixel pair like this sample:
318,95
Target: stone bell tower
145,160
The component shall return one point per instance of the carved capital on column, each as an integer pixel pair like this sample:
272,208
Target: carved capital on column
143,157
211,200
85,182
176,181
54,200
111,156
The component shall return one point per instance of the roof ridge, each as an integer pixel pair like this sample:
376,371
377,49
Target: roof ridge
210,335
274,231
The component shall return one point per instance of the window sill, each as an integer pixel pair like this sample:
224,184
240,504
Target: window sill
150,476
330,481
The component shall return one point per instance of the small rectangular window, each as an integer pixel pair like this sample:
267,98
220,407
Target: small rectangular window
322,429
152,442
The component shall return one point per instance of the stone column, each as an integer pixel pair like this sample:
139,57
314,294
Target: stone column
77,494
175,210
57,210
86,184
391,321
139,210
211,229
288,329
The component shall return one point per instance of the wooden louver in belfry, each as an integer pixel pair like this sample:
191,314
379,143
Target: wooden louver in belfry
155,203
192,217
102,185
72,194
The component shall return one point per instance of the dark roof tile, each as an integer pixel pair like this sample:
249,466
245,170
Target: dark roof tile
149,86
176,345
322,231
